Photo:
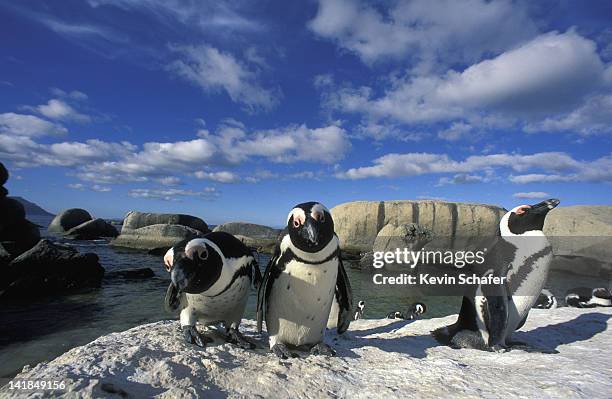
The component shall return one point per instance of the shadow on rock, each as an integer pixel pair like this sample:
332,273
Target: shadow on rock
413,345
582,328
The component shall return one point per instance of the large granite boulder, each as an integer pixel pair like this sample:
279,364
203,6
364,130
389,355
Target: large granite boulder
4,174
17,234
92,230
136,220
68,219
48,269
258,236
581,237
155,237
358,223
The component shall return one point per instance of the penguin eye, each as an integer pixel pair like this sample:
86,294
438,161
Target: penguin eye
203,254
522,209
296,223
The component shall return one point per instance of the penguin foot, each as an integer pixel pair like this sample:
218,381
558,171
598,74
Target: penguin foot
282,351
192,336
322,349
235,337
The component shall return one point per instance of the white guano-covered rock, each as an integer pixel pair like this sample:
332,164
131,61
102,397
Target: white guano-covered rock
376,358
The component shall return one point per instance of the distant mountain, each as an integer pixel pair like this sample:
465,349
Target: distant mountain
31,208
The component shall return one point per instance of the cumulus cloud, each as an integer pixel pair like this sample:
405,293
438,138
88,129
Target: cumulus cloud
531,195
213,71
220,177
519,83
430,31
551,166
205,157
595,116
171,194
100,189
28,125
60,110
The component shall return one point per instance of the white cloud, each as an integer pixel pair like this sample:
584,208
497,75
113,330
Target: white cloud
520,83
74,95
551,166
210,16
428,31
76,186
28,125
457,131
60,110
595,116
106,163
220,177
214,71
531,195
462,178
172,194
100,189
291,144
169,181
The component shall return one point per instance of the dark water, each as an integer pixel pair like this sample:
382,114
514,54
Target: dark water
46,328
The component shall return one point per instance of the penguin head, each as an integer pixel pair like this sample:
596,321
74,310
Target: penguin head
310,226
418,308
526,218
361,305
197,268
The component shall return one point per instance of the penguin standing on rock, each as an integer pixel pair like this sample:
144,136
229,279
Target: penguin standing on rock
303,278
211,278
359,312
490,314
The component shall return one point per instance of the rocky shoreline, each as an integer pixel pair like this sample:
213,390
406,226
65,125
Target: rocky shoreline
376,358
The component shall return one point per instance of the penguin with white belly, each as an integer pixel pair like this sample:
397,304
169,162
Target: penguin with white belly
302,280
491,313
211,279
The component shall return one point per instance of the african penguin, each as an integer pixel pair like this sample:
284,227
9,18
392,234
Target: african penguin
304,276
359,311
491,313
415,311
395,315
211,278
583,297
546,300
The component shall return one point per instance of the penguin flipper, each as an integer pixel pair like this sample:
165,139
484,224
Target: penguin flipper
265,287
172,302
344,296
256,277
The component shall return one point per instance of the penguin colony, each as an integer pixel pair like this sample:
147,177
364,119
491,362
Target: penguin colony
305,287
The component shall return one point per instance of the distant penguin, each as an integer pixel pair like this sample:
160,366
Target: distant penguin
395,315
304,276
583,297
359,312
546,300
211,278
415,311
491,313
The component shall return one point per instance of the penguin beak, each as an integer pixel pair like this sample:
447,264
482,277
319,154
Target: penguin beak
180,276
310,231
543,207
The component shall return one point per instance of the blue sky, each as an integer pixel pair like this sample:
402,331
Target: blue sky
239,110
